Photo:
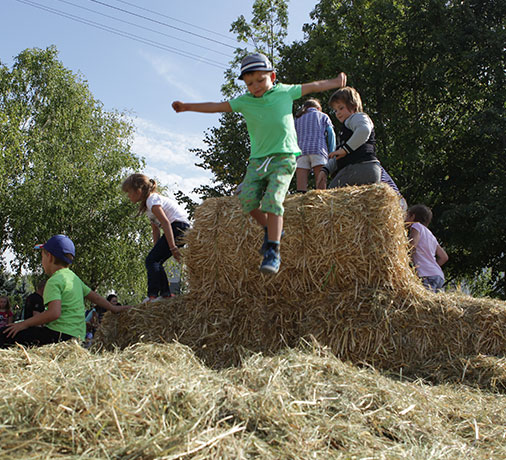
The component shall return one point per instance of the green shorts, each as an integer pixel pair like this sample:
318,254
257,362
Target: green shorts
266,182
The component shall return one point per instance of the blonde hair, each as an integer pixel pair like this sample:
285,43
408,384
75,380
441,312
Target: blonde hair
349,96
312,102
140,182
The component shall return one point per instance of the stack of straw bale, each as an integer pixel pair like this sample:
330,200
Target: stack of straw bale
345,280
346,239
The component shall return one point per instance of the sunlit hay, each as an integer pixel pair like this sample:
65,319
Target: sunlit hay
147,322
349,239
158,401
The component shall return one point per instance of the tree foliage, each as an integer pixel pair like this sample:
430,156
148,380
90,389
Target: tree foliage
432,77
431,74
63,160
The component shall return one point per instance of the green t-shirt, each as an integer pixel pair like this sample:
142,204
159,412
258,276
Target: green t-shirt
270,120
65,285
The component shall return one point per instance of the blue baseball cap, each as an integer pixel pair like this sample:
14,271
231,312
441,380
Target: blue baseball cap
59,246
254,62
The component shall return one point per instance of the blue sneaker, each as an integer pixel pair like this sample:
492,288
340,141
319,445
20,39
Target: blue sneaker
266,240
272,261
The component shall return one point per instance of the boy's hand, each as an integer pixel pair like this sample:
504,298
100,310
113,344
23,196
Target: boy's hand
338,154
179,106
341,79
120,308
12,329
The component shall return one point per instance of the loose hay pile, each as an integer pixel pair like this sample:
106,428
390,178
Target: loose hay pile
345,280
160,402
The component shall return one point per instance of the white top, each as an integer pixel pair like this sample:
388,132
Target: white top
425,253
173,211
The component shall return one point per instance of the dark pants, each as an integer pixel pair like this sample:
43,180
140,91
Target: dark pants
368,172
158,283
33,336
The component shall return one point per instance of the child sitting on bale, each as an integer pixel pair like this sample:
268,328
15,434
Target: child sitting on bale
428,256
268,113
64,296
355,159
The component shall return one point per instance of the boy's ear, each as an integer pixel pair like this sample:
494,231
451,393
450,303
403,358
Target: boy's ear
273,76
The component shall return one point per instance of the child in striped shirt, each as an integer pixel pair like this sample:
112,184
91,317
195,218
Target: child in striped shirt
316,138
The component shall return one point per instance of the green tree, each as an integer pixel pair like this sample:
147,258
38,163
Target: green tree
63,160
228,145
431,74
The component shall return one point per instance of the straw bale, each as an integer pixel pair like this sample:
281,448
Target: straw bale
350,238
160,402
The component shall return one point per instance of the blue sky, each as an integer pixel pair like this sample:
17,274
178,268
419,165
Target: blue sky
140,79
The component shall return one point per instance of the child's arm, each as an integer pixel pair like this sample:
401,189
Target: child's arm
204,107
328,170
441,256
414,239
362,126
156,233
52,313
97,299
331,138
324,85
167,230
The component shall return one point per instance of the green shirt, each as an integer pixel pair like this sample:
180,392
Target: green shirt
65,285
270,120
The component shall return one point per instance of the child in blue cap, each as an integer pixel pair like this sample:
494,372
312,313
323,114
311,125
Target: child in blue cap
64,296
267,109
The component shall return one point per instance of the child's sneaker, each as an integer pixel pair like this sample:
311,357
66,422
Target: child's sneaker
270,264
266,240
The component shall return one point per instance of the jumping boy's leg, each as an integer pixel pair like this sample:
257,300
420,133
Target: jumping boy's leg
282,169
274,227
259,216
272,259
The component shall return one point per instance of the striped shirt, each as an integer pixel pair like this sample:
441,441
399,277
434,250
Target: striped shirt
312,128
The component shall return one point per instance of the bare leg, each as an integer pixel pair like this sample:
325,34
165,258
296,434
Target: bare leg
316,171
259,216
274,226
301,175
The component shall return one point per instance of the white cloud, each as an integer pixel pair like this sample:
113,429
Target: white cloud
168,157
166,69
176,182
162,146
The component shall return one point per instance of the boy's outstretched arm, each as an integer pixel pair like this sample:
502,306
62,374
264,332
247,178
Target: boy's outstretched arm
204,107
324,85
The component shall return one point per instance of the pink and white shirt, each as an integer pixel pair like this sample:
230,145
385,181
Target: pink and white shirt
424,257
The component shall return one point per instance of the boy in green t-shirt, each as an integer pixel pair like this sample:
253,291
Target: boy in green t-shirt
64,296
267,109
